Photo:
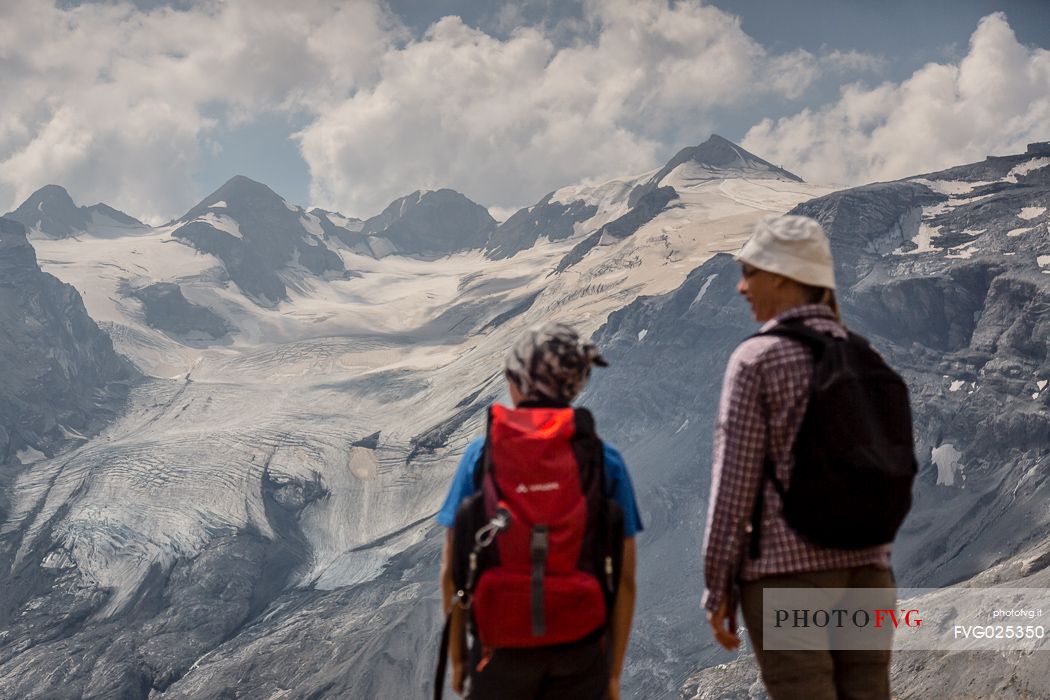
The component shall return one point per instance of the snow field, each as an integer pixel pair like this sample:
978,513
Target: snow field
279,404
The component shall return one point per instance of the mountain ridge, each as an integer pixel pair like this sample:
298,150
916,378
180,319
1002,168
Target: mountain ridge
276,486
51,211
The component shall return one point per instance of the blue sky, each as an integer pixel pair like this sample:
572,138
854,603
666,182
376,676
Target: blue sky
348,105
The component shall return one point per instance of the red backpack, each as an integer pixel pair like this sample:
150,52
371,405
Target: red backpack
536,549
548,574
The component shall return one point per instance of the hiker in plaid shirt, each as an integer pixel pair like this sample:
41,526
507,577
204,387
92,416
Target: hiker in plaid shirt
787,274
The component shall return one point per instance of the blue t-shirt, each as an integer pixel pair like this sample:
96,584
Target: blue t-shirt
617,482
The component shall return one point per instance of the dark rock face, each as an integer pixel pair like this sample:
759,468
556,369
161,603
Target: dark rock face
965,317
271,237
370,442
114,214
168,310
52,211
554,220
437,436
939,313
970,336
647,209
245,264
432,223
347,230
60,373
578,252
870,221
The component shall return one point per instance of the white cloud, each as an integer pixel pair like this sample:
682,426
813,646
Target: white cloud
506,120
119,104
112,102
994,100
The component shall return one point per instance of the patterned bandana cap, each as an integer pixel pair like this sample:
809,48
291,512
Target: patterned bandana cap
551,363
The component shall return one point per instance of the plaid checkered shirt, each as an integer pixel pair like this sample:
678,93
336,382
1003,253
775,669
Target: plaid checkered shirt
764,396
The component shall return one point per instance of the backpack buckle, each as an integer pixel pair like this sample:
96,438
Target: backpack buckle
462,599
487,532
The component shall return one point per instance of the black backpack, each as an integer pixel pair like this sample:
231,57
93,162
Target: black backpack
854,453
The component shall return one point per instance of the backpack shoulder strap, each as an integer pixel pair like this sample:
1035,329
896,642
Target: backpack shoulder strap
798,330
858,339
484,463
609,517
584,419
587,448
769,473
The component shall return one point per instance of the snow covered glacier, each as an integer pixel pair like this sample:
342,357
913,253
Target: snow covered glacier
257,522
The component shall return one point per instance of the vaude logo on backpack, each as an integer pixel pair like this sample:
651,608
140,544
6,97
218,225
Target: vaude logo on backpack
854,457
549,574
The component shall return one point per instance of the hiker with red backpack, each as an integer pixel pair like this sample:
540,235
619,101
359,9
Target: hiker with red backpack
539,561
812,469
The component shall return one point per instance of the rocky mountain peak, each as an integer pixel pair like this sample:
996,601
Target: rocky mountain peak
258,236
52,212
54,197
722,154
242,186
432,222
715,158
443,199
238,194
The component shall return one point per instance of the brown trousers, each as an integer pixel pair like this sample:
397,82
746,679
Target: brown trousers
818,675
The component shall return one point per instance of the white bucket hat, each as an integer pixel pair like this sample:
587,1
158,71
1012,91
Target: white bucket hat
792,246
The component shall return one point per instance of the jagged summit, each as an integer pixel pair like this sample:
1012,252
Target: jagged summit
403,206
715,158
719,152
432,222
239,193
52,212
258,236
244,186
54,197
334,216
